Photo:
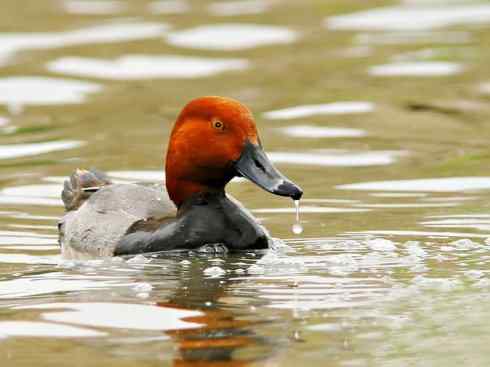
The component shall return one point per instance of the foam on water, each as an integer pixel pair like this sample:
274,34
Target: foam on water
146,67
443,184
239,7
31,90
311,131
119,315
416,68
231,36
93,7
335,108
333,158
408,18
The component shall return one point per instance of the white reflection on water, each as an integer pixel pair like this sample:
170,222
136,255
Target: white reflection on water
44,329
408,205
420,234
310,209
485,88
150,176
402,18
25,259
413,37
397,194
239,7
169,7
481,223
107,33
49,195
120,315
445,184
29,286
146,67
94,6
311,131
34,239
337,158
231,36
336,108
427,68
23,150
33,90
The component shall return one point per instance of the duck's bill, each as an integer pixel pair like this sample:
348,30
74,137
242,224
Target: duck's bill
254,165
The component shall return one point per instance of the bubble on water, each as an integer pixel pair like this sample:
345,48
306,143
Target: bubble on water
465,244
482,283
142,287
256,269
214,271
414,249
138,259
381,244
437,284
447,248
474,274
297,228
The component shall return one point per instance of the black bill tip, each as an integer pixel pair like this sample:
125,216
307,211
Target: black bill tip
287,188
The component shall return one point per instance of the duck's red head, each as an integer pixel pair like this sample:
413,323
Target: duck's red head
213,140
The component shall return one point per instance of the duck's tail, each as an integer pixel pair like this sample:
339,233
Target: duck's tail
81,185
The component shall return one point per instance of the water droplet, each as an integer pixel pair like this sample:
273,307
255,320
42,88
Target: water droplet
297,227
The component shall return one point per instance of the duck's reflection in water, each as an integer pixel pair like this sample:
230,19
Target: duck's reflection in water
223,334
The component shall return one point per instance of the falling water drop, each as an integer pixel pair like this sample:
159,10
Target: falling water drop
297,227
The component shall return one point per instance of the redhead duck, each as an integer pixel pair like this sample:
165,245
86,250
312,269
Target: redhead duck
213,140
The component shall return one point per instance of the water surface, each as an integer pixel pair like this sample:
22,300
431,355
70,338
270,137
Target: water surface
378,109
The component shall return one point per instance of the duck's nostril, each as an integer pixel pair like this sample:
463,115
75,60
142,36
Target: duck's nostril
259,165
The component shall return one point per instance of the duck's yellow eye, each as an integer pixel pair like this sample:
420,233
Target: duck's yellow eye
218,125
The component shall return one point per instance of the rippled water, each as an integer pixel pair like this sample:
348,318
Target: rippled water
378,109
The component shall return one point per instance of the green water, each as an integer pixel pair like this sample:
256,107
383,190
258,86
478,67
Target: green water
386,274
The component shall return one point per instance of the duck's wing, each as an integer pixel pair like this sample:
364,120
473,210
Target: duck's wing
98,225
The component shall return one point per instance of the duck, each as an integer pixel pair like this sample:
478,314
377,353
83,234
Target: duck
213,140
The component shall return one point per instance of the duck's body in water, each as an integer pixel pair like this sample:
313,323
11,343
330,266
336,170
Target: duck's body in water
213,140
